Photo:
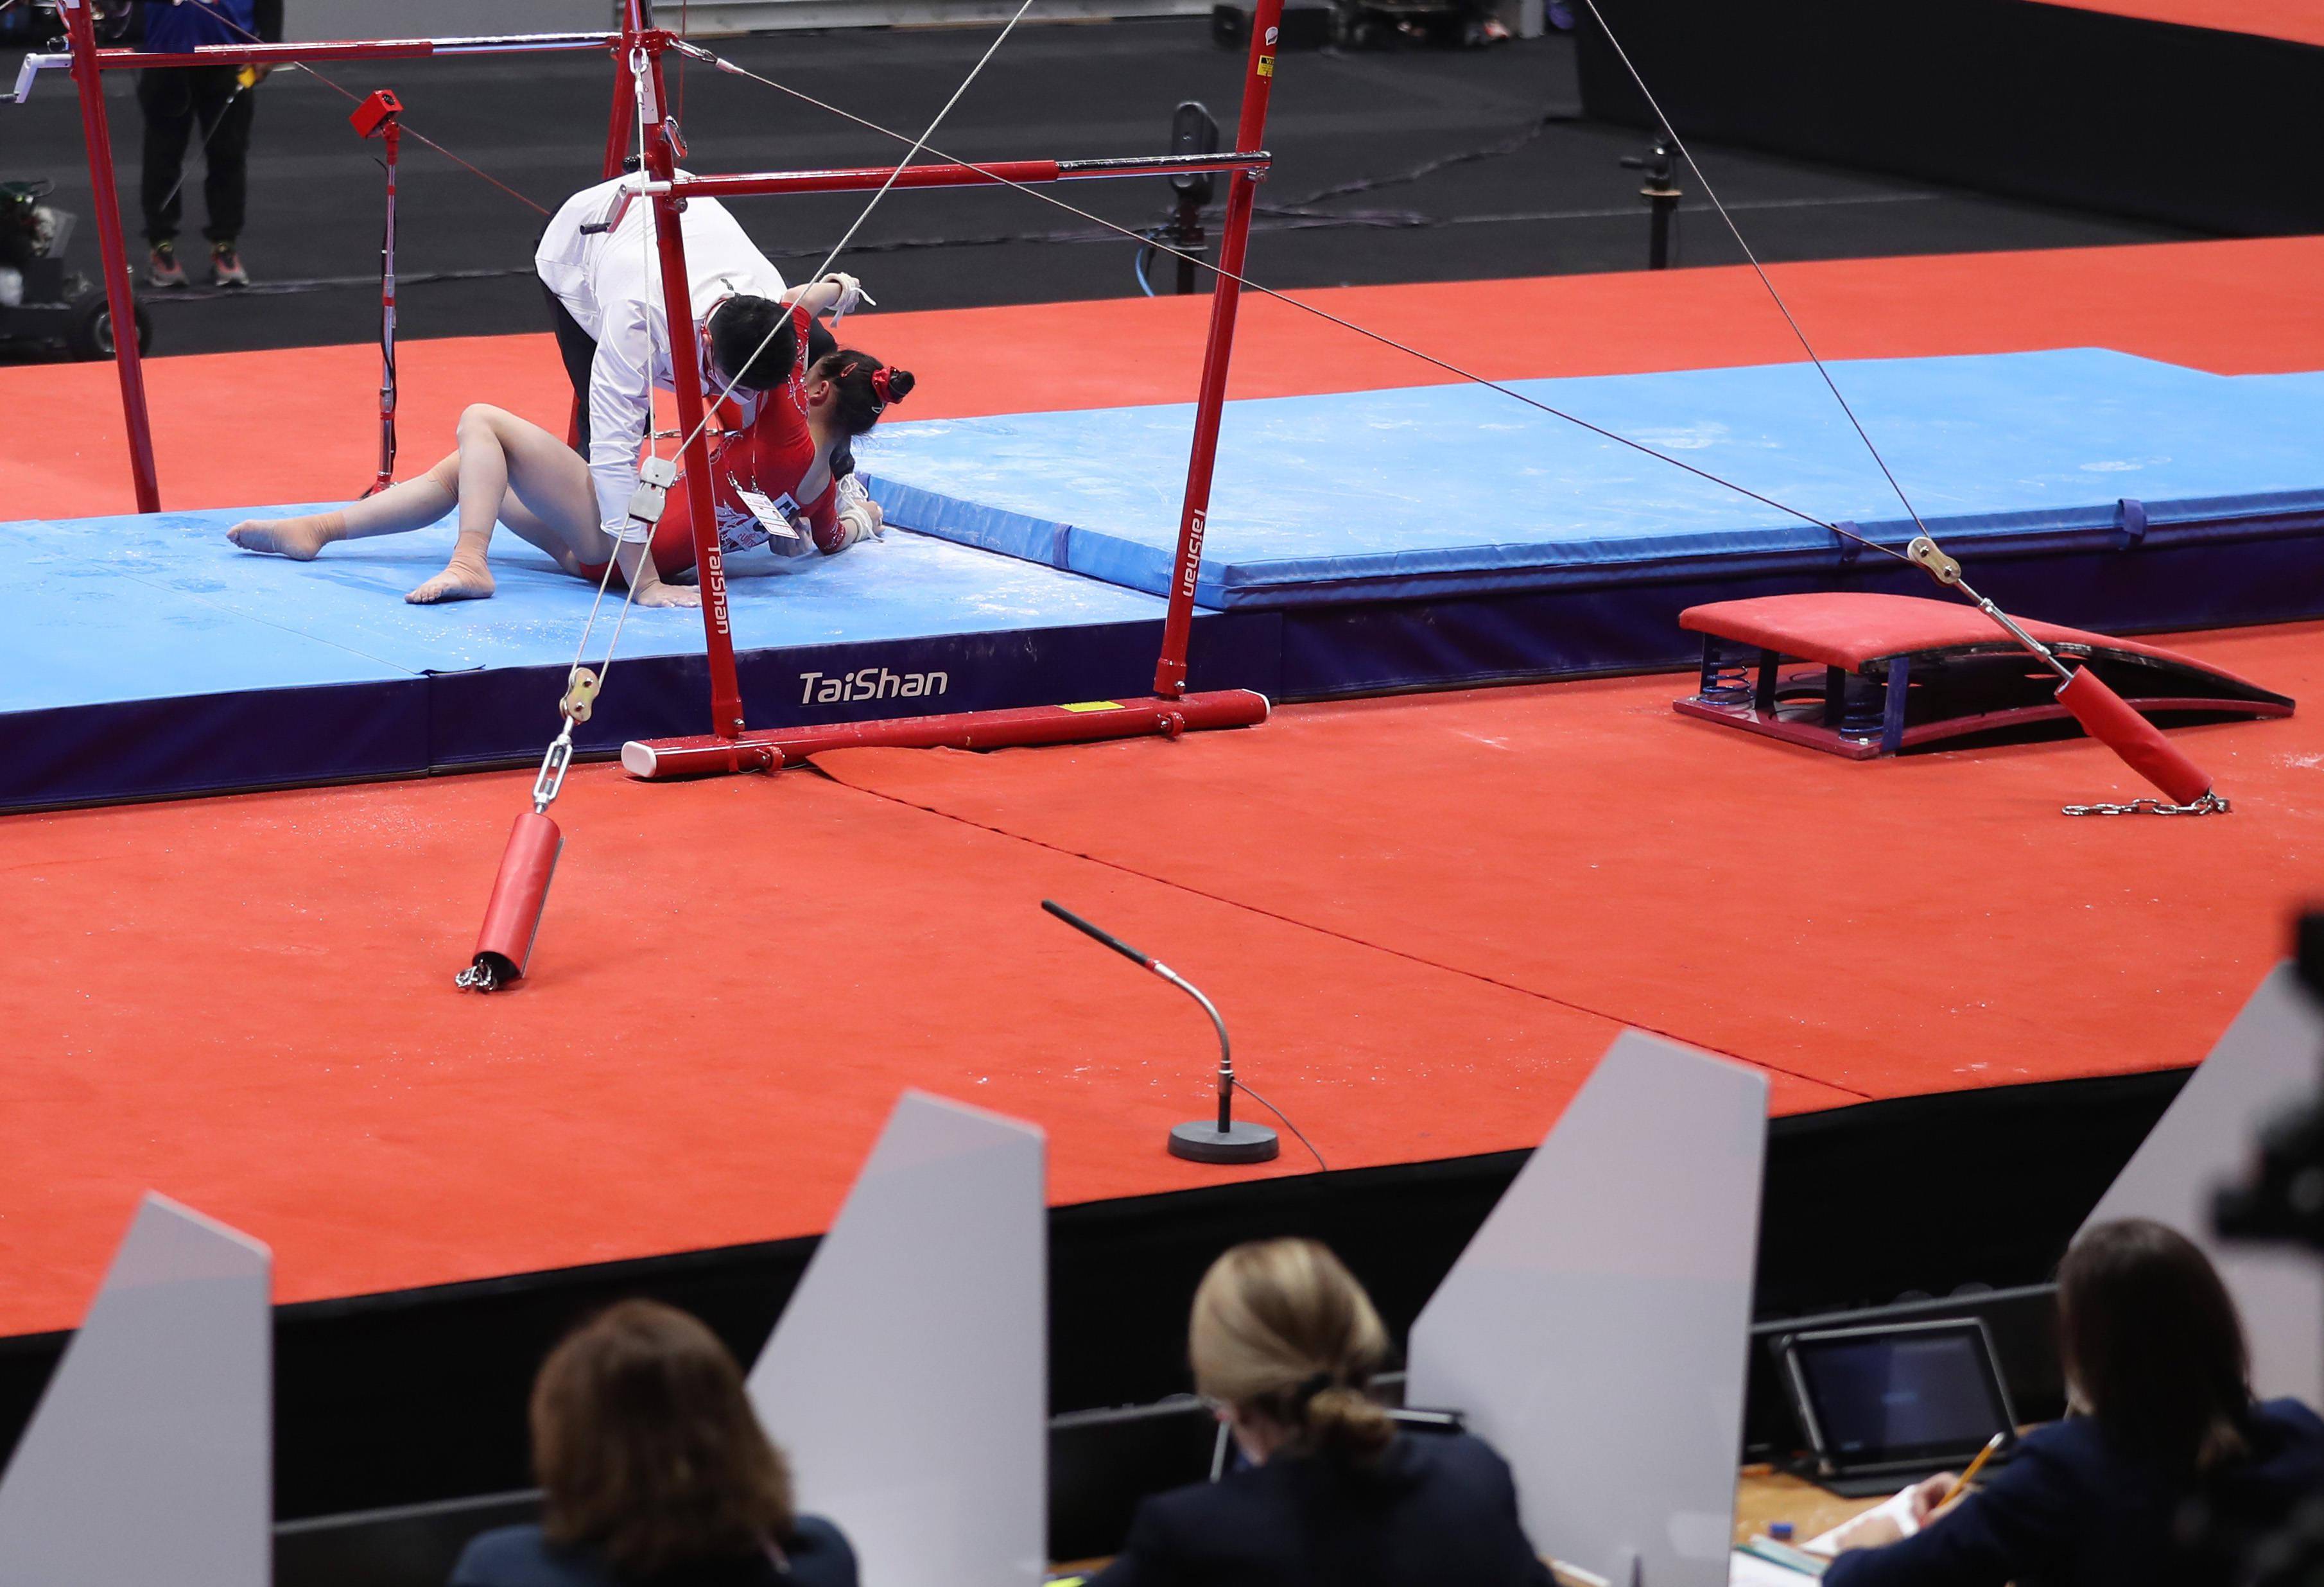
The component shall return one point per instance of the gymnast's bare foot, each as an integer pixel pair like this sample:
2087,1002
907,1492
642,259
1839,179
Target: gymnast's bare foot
298,539
464,579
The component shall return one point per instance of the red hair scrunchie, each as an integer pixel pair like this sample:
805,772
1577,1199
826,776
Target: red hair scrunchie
879,385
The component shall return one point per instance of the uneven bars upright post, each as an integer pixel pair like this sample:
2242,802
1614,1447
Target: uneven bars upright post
619,127
686,374
1251,133
120,294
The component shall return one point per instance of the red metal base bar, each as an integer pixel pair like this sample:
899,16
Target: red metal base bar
708,755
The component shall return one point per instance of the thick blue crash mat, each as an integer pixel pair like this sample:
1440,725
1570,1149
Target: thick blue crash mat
1450,491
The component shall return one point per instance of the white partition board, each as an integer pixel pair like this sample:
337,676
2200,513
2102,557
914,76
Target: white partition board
2268,1060
908,1377
149,1461
1595,1329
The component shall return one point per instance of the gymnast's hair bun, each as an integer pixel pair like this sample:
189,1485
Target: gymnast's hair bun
866,388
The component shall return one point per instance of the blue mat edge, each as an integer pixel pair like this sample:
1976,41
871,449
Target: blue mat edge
1489,569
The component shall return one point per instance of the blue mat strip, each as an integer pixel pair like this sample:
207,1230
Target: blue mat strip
145,658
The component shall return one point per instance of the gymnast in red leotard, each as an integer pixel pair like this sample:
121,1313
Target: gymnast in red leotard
772,478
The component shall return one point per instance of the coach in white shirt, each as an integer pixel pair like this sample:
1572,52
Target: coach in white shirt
603,275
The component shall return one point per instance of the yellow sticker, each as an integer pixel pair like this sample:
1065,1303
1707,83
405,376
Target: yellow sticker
1267,65
1093,705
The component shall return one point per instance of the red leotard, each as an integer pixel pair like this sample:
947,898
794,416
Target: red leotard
766,447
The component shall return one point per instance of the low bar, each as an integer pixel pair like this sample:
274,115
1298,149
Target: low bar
711,755
991,173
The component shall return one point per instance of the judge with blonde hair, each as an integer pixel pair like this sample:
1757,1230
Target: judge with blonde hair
1284,1344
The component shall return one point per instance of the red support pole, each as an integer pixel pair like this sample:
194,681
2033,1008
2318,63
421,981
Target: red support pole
381,115
620,127
686,374
1091,722
120,292
391,135
1170,670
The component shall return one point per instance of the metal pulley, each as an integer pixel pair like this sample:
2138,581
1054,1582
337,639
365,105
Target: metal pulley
580,696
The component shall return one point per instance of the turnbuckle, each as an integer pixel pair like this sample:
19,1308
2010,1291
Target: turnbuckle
553,768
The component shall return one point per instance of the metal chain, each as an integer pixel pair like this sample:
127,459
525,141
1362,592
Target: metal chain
2210,804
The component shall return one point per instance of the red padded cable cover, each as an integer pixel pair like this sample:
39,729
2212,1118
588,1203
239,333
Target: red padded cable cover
2108,719
520,891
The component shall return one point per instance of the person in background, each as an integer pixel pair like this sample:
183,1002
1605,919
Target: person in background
213,104
654,1473
1284,1342
2160,1413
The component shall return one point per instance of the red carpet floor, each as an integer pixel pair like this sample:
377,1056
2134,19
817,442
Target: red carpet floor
1425,917
2299,21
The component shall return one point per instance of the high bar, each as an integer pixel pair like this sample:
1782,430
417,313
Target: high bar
326,50
991,173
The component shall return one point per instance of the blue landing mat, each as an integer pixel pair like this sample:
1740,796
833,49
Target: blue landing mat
1456,491
141,657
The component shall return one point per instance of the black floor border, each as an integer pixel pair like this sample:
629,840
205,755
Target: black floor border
419,1395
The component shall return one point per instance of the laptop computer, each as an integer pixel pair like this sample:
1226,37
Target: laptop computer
1888,1405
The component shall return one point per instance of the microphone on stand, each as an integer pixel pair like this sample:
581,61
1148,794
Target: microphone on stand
1201,1141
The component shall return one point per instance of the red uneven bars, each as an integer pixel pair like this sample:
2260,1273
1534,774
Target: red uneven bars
90,64
732,747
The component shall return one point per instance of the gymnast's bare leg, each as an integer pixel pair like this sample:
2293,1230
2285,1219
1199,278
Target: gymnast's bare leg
507,469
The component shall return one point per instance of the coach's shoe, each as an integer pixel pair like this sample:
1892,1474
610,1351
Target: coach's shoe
162,269
226,266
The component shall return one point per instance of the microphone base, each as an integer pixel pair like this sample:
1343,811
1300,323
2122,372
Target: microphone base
1202,1141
